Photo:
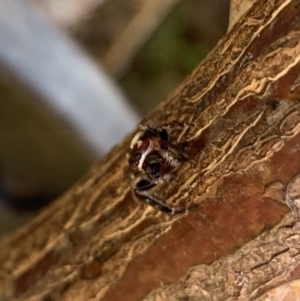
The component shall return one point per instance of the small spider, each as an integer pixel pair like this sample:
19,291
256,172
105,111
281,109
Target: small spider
153,158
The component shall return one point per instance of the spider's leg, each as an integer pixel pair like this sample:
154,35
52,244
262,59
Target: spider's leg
163,134
143,185
147,129
141,189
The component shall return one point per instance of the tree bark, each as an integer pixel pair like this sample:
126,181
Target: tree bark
238,239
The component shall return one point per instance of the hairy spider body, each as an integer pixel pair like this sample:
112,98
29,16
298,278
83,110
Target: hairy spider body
153,158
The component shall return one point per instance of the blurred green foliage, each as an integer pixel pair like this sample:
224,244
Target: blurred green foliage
172,52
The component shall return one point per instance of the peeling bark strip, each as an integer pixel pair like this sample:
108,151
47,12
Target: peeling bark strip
97,243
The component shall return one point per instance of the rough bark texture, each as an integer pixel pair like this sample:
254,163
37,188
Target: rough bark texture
238,240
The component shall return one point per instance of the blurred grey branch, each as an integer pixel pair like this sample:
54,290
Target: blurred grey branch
59,110
71,85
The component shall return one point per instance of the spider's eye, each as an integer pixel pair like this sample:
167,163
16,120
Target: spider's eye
134,159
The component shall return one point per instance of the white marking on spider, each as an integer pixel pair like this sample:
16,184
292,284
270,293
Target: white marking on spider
144,155
136,138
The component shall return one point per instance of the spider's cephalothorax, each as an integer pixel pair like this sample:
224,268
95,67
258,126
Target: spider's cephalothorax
153,158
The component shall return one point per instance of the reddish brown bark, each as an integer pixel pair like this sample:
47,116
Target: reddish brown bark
238,239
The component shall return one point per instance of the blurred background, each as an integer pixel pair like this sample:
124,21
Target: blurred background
77,75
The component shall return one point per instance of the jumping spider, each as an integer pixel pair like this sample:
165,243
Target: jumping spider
153,158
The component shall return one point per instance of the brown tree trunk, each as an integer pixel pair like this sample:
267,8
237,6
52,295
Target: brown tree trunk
238,240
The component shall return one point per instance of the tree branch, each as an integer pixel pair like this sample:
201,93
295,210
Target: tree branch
242,108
